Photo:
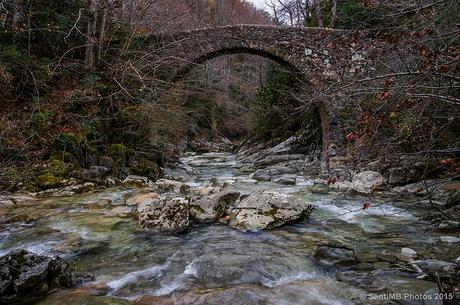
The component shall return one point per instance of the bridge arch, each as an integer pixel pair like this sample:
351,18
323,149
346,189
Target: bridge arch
321,57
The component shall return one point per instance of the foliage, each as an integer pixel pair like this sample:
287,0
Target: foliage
275,108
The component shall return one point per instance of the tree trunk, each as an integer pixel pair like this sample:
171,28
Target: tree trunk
91,36
318,13
333,13
102,32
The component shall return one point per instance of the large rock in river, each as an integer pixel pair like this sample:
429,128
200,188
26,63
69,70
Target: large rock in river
366,182
25,276
165,215
210,208
267,209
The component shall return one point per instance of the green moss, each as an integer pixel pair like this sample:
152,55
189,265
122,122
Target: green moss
47,181
68,142
39,119
118,152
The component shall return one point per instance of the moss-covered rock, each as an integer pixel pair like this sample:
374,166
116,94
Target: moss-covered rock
118,152
47,181
146,168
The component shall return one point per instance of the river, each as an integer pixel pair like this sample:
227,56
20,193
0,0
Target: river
269,267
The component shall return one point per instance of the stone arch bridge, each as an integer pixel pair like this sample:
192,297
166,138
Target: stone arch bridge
324,58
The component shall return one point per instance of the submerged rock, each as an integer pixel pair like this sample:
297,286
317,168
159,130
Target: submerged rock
333,253
320,188
388,281
25,276
166,215
210,208
267,209
286,180
141,198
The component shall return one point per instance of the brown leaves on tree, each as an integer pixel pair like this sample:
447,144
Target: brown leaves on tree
448,162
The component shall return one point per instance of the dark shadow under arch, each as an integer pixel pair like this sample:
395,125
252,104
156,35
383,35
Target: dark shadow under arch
321,106
238,50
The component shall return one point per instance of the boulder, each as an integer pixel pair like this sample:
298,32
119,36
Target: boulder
405,174
261,175
21,218
276,159
215,182
96,174
267,209
142,198
166,185
166,215
211,208
407,254
286,180
202,191
435,267
184,189
26,277
48,181
6,202
366,182
450,239
136,181
336,254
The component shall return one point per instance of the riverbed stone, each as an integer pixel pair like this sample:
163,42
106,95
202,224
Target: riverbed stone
210,208
320,188
286,180
21,218
261,175
137,199
121,211
366,182
203,190
95,174
408,254
450,239
267,209
6,202
334,253
136,181
276,159
387,281
167,185
165,215
184,189
26,277
436,267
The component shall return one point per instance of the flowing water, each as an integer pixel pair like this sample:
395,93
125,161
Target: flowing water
270,267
